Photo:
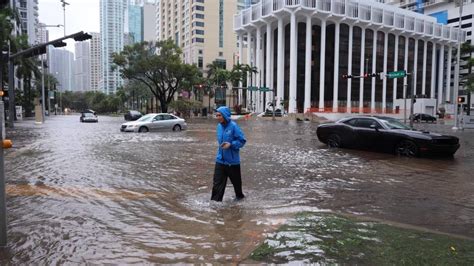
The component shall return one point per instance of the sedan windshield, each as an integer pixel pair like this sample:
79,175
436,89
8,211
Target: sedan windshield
394,123
146,118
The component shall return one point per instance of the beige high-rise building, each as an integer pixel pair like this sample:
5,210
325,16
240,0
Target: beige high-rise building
95,62
203,29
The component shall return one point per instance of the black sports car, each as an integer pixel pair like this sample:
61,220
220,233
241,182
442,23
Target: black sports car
385,134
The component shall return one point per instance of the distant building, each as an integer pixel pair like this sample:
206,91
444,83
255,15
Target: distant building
61,67
447,13
82,67
135,23
29,22
203,29
95,62
43,33
149,22
112,27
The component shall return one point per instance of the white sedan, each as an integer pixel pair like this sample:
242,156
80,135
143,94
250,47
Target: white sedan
155,122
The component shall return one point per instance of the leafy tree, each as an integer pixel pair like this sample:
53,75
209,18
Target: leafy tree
159,67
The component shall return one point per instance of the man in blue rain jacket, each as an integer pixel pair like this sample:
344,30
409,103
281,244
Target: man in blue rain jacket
230,139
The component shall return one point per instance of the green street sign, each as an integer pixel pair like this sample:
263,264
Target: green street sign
265,89
252,88
397,74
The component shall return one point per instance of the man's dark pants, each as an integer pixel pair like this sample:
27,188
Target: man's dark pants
221,172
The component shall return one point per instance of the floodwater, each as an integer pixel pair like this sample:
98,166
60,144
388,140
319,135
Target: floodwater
88,193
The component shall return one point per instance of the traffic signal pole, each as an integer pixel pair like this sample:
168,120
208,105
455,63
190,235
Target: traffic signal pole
3,208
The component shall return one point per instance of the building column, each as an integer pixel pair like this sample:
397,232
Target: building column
448,74
349,69
395,68
433,71
249,75
362,64
415,69
259,67
440,75
241,43
280,63
292,108
384,81
423,81
322,64
374,70
268,74
307,82
336,68
405,64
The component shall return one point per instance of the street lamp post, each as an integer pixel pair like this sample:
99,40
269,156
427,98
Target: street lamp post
64,3
456,70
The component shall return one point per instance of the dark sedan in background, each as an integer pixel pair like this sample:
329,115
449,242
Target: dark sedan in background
132,115
418,117
385,134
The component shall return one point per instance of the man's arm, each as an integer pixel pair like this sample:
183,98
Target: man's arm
239,138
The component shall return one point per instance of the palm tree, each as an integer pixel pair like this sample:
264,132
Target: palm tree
27,70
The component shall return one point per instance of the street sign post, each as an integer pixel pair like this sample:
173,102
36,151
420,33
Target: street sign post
396,74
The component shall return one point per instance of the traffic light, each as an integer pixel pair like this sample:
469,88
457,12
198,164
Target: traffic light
59,44
345,76
82,37
366,75
461,99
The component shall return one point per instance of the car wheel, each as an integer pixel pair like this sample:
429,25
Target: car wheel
334,141
177,128
407,148
143,129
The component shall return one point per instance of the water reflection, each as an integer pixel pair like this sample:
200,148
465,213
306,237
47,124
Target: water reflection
88,193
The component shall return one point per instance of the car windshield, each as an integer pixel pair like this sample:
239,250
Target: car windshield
394,124
146,118
88,115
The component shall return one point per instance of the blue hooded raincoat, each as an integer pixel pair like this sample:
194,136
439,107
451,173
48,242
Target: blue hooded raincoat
231,133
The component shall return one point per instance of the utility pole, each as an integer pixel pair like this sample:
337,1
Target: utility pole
456,70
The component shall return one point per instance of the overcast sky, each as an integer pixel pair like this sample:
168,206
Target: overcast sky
81,15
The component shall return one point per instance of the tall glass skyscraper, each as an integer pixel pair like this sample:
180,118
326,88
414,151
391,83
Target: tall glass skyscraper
135,22
112,23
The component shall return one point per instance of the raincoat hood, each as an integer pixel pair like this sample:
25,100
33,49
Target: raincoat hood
225,112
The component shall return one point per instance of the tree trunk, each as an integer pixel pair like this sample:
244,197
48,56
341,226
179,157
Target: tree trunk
27,99
164,106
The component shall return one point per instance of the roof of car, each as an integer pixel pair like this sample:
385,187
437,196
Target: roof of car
367,116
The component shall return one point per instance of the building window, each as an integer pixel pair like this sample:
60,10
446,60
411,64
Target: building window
200,51
200,40
221,54
198,15
199,8
198,24
200,62
200,32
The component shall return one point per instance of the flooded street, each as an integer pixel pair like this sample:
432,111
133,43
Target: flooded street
80,193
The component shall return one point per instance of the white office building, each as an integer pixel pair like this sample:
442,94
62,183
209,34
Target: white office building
302,49
112,28
82,66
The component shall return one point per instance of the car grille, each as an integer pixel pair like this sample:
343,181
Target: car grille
450,141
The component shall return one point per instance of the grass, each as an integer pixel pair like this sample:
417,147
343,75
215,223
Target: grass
329,238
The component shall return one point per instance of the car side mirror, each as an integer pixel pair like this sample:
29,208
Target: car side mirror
374,127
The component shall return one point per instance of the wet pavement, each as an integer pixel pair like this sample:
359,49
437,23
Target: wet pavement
88,193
